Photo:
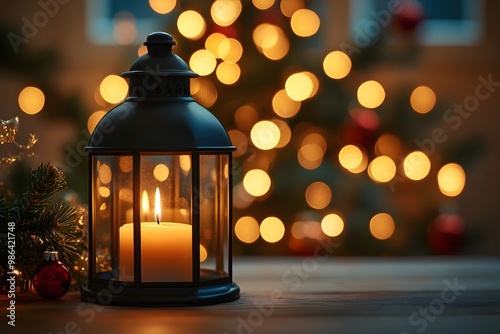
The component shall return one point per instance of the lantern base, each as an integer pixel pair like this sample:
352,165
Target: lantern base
178,296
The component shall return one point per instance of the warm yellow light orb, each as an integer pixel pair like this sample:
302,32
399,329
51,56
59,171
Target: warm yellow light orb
332,225
225,12
288,7
213,42
371,94
318,195
160,172
257,182
93,119
247,229
203,253
263,4
113,88
416,165
272,229
382,226
230,50
162,6
382,169
350,157
202,62
451,179
265,135
299,86
422,99
304,22
31,100
191,24
337,65
228,73
284,106
388,144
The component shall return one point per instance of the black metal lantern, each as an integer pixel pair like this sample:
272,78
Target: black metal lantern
160,192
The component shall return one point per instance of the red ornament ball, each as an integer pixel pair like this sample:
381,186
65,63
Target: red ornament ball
446,234
52,278
410,16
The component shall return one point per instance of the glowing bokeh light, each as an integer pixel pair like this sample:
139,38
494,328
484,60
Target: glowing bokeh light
288,7
160,172
191,24
93,119
416,165
332,225
230,50
202,62
422,99
351,158
263,4
284,106
285,132
337,65
371,94
142,50
382,169
225,12
318,195
31,100
388,144
305,22
203,253
105,174
213,42
382,226
203,91
163,6
257,182
247,229
124,30
239,140
265,135
245,117
299,86
272,229
451,179
271,41
228,73
113,88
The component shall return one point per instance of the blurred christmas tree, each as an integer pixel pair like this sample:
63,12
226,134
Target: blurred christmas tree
316,158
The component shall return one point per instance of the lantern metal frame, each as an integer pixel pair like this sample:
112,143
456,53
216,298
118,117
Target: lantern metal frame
161,118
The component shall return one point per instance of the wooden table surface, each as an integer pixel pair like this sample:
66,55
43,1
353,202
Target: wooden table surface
302,295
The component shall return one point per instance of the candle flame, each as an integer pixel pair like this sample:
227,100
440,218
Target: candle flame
145,203
157,205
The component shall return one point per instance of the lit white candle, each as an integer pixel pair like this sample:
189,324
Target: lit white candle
166,250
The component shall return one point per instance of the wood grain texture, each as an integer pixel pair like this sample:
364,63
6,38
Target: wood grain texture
303,295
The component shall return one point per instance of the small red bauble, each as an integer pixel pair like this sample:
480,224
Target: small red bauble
52,278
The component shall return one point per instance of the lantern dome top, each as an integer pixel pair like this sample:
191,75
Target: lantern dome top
159,114
160,58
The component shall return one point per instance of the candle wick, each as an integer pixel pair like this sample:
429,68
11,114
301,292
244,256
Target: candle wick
158,220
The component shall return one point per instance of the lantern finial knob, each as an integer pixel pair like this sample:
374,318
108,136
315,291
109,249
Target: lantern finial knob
159,43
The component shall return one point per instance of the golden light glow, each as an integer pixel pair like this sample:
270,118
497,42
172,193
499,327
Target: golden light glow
332,225
350,157
416,165
271,41
213,42
125,164
311,152
239,139
305,163
94,118
382,169
422,99
382,226
203,253
185,163
245,117
142,50
204,91
272,229
31,100
451,179
162,6
225,12
263,4
257,182
317,139
318,195
157,205
113,88
125,195
105,174
285,132
160,172
284,106
191,24
299,86
371,94
265,135
202,62
104,192
230,50
145,204
247,229
337,65
314,81
288,7
388,144
304,22
228,73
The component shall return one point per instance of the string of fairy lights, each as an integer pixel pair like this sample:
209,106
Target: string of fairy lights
219,61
